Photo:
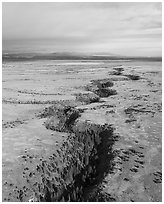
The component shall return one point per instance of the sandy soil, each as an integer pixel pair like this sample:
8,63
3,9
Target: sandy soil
126,95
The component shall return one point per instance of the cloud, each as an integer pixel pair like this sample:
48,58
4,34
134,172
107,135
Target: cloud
83,25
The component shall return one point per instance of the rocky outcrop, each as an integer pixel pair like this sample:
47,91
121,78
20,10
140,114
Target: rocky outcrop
133,77
85,157
117,71
101,87
87,98
62,119
82,160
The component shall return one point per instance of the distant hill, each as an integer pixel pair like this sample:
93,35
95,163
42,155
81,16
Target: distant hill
71,56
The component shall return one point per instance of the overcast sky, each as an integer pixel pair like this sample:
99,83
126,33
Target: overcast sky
118,28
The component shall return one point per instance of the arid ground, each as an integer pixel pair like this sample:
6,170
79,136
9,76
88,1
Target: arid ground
82,131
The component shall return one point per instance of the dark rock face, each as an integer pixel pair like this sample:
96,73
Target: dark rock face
88,149
89,167
90,156
103,83
117,71
133,77
101,88
62,119
87,98
103,92
86,157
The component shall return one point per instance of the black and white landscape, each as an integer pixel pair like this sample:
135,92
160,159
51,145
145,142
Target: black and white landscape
82,102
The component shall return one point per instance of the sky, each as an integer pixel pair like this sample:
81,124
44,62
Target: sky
129,29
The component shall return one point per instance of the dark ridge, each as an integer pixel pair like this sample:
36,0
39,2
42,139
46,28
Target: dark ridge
100,163
102,83
68,56
103,92
58,105
132,77
87,98
100,156
62,118
100,88
96,160
117,71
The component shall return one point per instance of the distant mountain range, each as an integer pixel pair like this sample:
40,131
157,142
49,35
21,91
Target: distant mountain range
71,56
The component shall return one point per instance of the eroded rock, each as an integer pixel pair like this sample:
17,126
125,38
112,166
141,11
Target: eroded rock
87,98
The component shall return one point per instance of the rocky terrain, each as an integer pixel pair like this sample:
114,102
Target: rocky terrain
88,131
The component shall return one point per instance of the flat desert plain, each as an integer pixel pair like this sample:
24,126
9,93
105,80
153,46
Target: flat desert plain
82,131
